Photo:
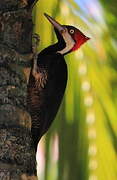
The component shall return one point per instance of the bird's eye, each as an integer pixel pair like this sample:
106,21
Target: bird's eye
72,31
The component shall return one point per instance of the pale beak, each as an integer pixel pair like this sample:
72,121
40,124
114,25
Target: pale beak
57,25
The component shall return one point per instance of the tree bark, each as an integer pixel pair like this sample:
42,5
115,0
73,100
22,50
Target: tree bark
17,155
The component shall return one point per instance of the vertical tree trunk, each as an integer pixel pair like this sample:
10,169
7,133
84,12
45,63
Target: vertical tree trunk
17,156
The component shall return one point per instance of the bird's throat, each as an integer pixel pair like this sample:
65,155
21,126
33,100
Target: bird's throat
69,43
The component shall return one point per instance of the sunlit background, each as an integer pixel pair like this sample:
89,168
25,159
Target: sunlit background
82,142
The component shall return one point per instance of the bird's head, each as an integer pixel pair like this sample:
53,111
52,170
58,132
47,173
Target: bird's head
70,37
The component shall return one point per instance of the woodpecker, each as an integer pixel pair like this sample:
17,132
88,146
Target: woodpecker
48,78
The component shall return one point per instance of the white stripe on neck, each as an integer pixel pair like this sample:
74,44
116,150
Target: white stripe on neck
69,43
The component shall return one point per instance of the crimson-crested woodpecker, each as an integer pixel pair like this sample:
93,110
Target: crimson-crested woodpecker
48,78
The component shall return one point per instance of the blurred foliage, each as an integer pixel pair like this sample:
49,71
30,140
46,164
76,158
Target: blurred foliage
82,142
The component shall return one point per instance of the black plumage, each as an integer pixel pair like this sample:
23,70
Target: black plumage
45,94
48,78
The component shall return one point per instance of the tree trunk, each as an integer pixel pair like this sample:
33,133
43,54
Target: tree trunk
17,156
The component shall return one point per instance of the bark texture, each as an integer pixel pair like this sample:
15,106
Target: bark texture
17,156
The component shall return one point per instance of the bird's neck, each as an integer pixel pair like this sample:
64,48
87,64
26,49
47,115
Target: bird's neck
64,45
60,47
69,43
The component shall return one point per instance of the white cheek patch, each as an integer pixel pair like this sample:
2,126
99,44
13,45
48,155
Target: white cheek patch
69,43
